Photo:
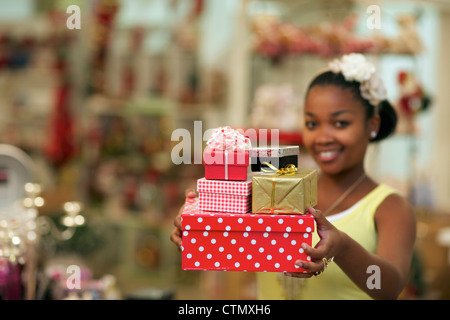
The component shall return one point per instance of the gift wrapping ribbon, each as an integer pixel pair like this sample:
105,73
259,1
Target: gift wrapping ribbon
226,165
288,170
228,139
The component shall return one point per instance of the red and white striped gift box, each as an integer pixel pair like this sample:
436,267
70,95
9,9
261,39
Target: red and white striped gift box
225,195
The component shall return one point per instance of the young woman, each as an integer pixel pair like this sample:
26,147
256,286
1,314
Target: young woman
365,231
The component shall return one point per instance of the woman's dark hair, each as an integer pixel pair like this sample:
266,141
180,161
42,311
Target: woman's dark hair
388,116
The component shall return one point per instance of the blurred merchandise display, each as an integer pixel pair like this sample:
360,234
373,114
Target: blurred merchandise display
95,109
277,107
56,284
275,38
413,100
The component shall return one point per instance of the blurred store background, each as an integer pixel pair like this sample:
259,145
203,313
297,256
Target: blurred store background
91,91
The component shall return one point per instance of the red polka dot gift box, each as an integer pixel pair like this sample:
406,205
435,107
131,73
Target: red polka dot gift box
225,196
243,242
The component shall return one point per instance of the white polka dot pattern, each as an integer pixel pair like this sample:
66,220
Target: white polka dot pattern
244,242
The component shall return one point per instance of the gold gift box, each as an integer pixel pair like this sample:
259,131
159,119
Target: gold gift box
287,193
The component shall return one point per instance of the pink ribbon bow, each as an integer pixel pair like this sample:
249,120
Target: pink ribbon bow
228,139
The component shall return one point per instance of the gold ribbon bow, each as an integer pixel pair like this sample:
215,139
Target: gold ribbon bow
288,170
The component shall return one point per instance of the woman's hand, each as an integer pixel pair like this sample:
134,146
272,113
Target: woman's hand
329,246
177,234
393,254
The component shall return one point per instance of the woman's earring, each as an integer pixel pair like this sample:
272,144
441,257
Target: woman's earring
373,134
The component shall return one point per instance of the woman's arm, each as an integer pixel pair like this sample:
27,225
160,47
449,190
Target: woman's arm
396,229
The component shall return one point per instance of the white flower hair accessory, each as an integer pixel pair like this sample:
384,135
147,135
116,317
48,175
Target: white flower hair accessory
355,67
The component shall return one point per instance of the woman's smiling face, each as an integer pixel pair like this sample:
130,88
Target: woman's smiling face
336,131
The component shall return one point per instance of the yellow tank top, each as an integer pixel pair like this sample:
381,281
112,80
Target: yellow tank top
333,284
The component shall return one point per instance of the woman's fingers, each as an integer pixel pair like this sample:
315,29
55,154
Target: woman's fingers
314,267
321,220
190,196
175,237
316,253
316,264
177,222
190,193
311,266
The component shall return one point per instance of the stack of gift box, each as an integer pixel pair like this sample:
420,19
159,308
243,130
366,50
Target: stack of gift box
248,220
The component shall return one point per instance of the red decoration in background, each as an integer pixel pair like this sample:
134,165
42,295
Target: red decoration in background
276,39
198,7
284,137
60,147
104,14
413,100
413,95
